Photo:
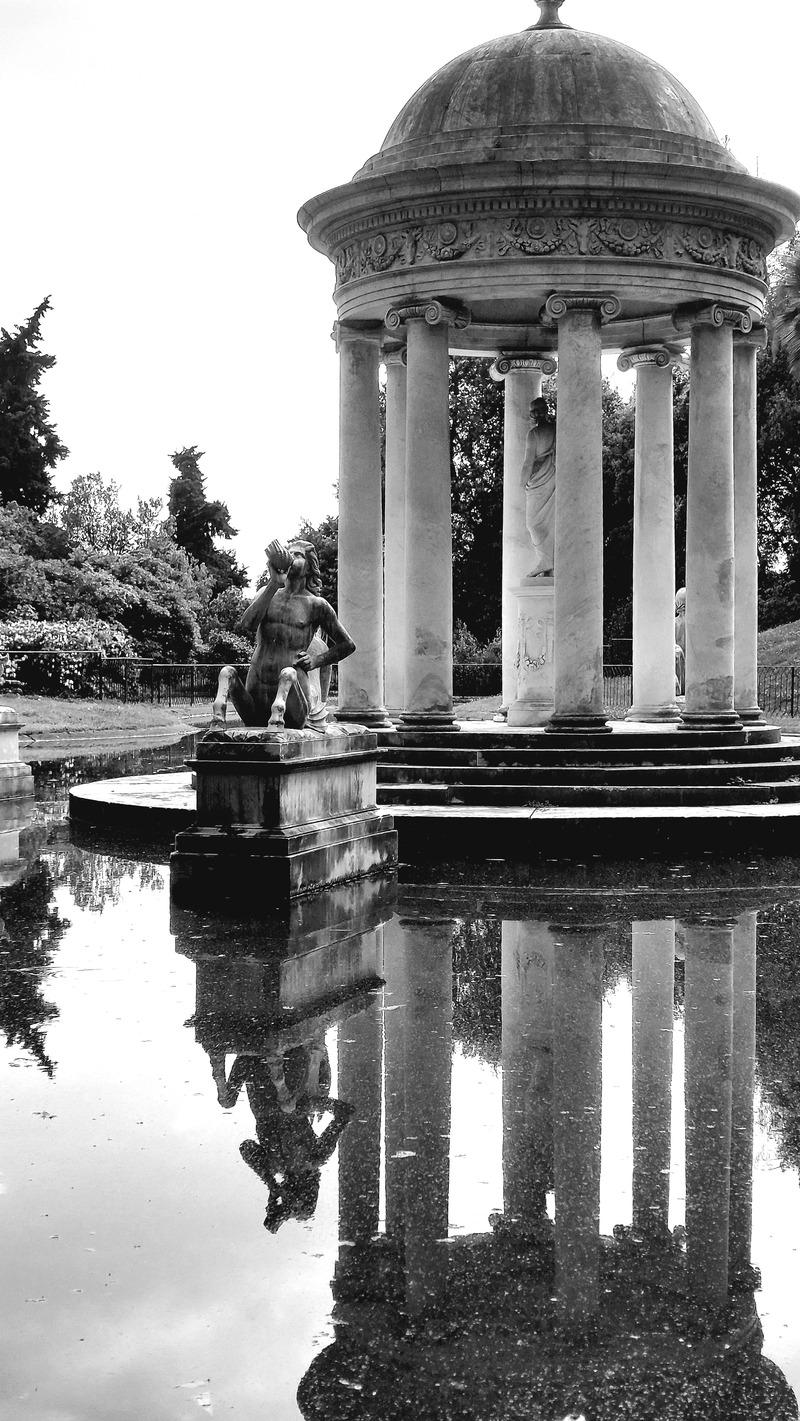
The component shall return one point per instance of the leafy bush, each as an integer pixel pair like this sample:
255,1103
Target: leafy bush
71,649
467,648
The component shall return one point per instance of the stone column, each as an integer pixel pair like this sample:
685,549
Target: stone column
577,1091
359,1050
429,543
653,946
579,514
394,558
746,345
743,1056
360,527
709,1039
653,537
527,1047
710,523
522,374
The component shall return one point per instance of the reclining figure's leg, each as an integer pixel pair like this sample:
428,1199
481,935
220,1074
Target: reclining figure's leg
290,703
230,688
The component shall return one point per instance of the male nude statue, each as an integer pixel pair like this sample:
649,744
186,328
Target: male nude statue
539,481
288,678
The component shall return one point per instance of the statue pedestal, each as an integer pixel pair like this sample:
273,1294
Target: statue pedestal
535,698
281,814
16,779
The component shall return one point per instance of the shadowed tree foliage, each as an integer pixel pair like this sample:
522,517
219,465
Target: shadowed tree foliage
29,445
476,459
785,308
30,929
198,521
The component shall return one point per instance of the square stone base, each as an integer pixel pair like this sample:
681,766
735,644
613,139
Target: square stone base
281,814
271,866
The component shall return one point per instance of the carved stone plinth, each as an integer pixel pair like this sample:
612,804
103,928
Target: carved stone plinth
281,814
16,780
535,700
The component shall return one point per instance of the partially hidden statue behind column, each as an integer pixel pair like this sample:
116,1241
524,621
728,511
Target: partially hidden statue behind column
680,642
298,637
539,480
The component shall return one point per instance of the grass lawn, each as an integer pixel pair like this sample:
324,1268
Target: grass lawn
780,646
50,718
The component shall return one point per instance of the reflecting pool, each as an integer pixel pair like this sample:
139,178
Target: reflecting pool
425,1150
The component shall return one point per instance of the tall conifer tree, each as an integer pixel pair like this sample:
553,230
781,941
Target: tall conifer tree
29,444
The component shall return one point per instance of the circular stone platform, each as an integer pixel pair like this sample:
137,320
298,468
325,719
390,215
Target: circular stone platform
755,782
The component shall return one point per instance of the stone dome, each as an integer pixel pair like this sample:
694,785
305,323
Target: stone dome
550,93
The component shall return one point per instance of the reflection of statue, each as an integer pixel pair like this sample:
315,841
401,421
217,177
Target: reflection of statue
285,1091
539,479
680,642
287,682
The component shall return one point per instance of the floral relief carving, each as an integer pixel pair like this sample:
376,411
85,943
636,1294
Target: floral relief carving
449,240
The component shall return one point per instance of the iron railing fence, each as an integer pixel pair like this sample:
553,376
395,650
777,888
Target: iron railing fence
189,683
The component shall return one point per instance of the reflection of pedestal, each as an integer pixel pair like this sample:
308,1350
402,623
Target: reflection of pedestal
535,700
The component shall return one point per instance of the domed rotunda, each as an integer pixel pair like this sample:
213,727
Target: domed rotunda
543,198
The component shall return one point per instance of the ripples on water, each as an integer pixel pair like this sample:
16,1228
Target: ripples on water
426,1152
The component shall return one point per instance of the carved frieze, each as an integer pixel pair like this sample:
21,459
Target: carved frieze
534,235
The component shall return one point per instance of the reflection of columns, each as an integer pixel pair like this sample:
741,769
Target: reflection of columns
395,997
429,541
709,522
360,593
709,1027
579,513
428,1052
527,1017
359,1083
522,375
746,345
577,1077
395,522
653,1005
743,1089
653,537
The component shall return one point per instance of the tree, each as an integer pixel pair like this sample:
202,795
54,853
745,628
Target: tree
198,521
29,445
784,312
476,464
94,521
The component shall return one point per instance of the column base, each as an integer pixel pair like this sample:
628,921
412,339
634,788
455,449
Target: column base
710,720
420,720
372,719
577,725
655,715
751,715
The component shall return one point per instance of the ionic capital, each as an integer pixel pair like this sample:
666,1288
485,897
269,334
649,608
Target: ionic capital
712,314
634,357
560,304
509,360
342,332
757,338
434,313
394,355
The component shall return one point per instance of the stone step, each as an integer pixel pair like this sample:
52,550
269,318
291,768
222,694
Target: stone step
620,796
501,776
484,738
545,756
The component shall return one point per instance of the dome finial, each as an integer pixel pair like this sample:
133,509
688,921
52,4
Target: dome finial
548,20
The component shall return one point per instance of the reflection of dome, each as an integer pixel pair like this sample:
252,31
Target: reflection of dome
551,93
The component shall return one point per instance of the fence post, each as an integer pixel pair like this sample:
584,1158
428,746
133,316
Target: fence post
125,683
792,693
191,687
100,679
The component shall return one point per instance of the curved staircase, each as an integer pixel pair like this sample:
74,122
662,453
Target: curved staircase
653,782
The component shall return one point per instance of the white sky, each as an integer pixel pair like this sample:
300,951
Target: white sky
154,157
